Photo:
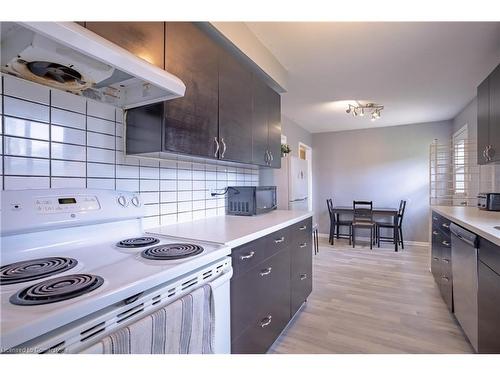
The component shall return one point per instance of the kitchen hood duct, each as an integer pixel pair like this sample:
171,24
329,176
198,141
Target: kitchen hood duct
67,56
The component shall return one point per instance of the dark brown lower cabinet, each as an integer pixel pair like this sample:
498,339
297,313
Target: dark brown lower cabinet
488,297
273,278
441,258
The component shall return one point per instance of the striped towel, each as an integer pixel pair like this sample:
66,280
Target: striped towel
186,326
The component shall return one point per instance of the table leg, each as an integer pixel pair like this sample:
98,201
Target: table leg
396,232
338,226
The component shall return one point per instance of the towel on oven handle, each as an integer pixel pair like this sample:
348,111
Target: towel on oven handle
186,326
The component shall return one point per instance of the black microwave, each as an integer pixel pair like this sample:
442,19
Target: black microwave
250,200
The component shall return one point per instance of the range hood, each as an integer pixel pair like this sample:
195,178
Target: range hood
66,56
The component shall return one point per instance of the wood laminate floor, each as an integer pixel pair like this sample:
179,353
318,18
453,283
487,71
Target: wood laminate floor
372,301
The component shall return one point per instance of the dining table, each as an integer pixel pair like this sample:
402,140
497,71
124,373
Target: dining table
379,211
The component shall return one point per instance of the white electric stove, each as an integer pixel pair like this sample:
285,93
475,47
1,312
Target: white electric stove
75,262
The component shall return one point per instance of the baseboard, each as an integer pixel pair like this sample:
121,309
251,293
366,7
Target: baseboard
412,243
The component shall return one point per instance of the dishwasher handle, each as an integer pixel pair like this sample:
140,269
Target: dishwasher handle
463,234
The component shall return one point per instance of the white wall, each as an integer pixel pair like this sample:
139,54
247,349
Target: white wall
384,165
54,139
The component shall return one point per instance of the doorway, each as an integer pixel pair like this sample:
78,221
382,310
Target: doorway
305,153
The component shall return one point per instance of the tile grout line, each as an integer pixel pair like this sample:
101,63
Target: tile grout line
3,133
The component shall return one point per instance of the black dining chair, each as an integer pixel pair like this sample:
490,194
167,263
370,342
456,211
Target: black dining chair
336,223
363,218
401,212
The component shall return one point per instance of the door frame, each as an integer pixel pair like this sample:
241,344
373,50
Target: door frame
309,175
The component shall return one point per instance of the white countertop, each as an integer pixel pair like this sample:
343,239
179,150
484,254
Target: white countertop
233,231
478,221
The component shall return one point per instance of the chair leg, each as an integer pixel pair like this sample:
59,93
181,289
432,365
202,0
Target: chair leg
353,237
350,234
371,238
401,237
378,236
330,236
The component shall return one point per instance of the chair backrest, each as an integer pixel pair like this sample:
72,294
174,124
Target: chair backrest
401,211
363,210
329,204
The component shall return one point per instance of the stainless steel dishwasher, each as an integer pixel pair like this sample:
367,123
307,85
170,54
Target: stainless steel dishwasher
464,269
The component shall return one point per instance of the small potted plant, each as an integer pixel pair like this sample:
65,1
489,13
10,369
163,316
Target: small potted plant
285,149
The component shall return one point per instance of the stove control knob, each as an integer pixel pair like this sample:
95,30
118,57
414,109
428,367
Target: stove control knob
135,201
122,201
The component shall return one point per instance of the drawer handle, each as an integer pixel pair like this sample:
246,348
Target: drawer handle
303,227
445,278
434,218
446,260
266,321
303,276
302,245
445,225
435,232
445,243
248,256
279,240
436,258
265,272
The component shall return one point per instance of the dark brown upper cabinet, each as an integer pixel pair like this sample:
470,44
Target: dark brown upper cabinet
191,122
144,39
266,125
488,119
235,109
227,112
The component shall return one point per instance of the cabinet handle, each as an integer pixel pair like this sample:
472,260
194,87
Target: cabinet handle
303,276
247,256
436,258
444,225
266,272
446,260
266,321
279,240
487,151
435,232
302,245
224,150
268,161
266,158
445,243
445,278
216,146
434,218
303,227
271,155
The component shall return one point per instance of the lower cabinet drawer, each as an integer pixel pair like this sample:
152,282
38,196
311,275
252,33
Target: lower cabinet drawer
301,275
262,289
261,333
446,289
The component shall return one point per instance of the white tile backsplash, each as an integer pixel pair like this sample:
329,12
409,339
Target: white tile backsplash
74,142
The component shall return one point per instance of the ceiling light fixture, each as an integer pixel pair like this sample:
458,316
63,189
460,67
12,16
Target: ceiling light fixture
359,110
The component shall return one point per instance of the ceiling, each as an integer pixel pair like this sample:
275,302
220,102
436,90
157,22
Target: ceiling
420,72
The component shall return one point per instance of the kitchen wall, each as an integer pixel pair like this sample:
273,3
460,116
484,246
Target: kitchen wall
384,165
53,139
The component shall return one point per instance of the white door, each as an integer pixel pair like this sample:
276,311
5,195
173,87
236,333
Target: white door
298,180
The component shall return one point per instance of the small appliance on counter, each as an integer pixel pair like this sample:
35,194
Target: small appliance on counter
488,201
250,200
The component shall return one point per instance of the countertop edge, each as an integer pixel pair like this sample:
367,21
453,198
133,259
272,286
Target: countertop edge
264,232
481,232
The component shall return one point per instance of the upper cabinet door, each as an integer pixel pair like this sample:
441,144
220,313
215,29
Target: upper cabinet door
144,39
274,120
260,130
494,124
483,120
235,109
191,122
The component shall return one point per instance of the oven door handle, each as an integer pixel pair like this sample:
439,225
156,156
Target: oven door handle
223,278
